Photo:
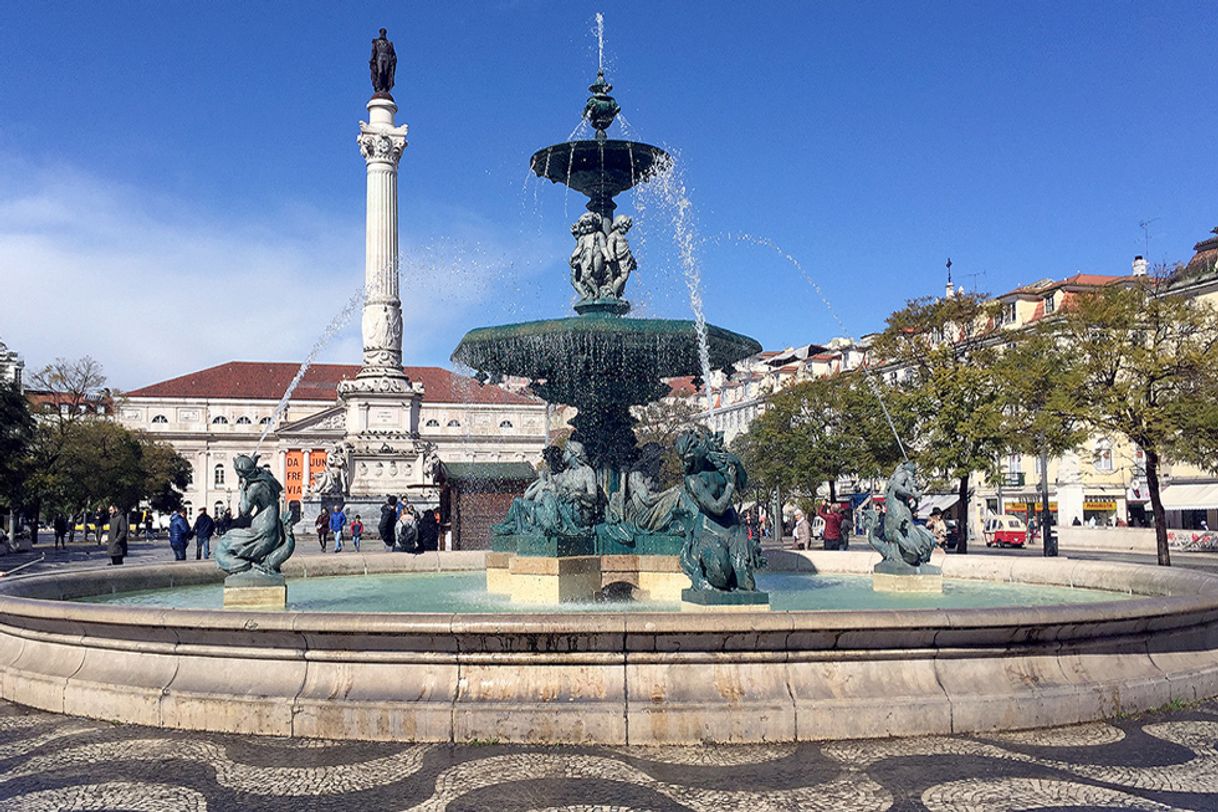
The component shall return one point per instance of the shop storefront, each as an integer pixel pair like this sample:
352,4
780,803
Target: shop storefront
1099,510
1028,509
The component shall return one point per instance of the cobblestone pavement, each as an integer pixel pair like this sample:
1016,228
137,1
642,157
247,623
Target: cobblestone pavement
1161,761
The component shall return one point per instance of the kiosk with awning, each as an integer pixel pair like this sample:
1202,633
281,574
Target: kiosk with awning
944,502
1190,504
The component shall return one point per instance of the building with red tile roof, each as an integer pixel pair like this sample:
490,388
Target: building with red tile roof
213,414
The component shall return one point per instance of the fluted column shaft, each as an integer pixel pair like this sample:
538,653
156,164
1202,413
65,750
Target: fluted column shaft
381,143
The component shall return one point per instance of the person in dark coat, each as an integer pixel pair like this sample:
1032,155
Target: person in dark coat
179,534
429,531
120,527
224,523
203,530
389,519
61,530
102,518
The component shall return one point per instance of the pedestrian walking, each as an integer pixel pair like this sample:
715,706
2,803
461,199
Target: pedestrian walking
204,527
179,534
322,525
119,529
389,519
408,532
938,528
102,518
338,521
357,530
149,533
803,530
61,531
833,517
224,523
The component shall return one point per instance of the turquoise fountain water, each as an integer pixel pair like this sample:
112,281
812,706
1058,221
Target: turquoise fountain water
465,592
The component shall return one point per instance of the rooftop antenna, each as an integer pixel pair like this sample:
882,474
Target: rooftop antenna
1145,226
973,277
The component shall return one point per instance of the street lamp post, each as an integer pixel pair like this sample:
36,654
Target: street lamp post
1050,537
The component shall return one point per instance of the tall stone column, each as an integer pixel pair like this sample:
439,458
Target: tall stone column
381,450
381,143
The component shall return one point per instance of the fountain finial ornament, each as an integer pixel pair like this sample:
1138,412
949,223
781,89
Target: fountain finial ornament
383,64
601,108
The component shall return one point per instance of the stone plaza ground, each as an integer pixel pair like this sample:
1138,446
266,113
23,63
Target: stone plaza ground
1162,760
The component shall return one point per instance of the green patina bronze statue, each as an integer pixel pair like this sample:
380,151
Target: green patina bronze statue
718,554
561,502
903,543
260,540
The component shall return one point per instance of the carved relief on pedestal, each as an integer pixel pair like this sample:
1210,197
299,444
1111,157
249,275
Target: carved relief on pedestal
382,331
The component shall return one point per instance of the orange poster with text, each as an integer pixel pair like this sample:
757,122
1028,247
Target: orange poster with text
293,475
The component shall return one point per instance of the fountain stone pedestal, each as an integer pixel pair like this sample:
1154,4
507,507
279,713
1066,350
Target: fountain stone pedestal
703,600
255,590
897,576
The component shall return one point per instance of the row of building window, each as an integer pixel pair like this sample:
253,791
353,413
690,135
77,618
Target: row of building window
456,424
221,420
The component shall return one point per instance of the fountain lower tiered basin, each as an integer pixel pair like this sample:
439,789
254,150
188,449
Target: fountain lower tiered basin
100,644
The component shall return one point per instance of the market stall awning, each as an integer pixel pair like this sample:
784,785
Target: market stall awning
1191,496
942,501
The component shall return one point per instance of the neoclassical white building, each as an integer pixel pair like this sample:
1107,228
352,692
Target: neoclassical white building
214,414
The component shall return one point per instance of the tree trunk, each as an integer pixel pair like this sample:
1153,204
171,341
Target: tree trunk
832,490
1156,506
962,525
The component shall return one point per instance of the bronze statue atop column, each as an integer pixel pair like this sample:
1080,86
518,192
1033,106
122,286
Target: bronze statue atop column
384,64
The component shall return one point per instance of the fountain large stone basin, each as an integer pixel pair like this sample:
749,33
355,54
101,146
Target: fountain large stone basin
608,678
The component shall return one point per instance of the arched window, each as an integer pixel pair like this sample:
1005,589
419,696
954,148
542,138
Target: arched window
219,420
505,424
190,509
160,418
432,423
218,510
454,424
266,421
244,421
218,477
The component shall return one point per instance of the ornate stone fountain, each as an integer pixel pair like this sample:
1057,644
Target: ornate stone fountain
596,514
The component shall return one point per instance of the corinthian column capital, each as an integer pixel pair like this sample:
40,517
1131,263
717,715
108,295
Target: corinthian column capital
379,144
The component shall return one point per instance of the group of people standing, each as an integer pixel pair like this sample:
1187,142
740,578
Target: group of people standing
836,533
204,528
400,527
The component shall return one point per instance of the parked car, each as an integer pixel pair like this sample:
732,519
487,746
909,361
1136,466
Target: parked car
1005,531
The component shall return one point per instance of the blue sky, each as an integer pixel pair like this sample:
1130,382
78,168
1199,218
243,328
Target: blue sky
196,162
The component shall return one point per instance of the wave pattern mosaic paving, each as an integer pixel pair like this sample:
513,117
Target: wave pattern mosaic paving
1162,761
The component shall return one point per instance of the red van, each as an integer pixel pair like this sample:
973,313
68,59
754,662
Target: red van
1005,531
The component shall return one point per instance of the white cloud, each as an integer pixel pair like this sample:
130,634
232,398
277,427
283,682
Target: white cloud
155,287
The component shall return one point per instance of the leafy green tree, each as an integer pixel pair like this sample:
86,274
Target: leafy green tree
16,439
941,352
81,460
1145,365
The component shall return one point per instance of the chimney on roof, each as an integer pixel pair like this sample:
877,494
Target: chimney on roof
1139,265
